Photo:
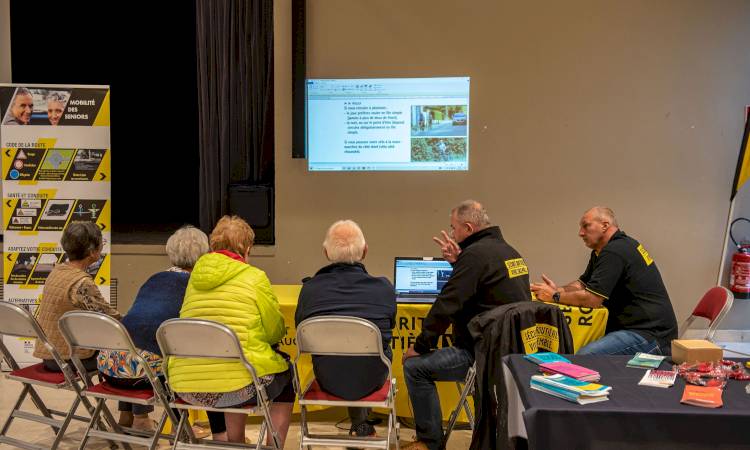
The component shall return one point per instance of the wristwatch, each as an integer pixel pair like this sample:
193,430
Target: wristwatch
556,297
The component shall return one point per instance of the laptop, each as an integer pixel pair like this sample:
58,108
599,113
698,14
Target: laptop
420,279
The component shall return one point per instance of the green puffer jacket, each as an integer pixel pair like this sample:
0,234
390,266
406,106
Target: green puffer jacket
238,295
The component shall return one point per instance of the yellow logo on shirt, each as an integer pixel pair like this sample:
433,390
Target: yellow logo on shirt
516,267
540,336
645,255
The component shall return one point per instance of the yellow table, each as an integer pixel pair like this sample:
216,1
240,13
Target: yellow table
586,325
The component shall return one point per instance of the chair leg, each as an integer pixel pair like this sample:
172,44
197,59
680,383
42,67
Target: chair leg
40,405
92,423
90,410
181,428
66,423
469,414
398,433
18,404
268,426
261,434
157,432
462,403
109,418
302,426
389,434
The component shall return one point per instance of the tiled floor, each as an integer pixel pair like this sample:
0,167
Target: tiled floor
42,434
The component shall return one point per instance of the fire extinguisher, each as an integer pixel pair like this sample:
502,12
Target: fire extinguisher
739,276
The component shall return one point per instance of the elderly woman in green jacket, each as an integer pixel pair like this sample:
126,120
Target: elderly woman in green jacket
223,287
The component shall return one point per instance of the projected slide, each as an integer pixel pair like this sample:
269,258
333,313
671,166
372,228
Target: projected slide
387,124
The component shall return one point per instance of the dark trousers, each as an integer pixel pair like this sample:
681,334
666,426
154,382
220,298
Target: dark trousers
88,363
420,374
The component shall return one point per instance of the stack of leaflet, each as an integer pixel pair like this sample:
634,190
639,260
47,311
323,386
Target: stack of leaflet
646,361
570,370
658,378
572,390
545,357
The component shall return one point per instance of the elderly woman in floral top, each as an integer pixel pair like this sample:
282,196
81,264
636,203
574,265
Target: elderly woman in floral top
159,299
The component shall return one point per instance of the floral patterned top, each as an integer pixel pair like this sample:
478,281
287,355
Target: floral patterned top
119,364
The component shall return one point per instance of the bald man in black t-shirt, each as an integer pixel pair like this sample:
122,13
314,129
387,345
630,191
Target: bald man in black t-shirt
622,276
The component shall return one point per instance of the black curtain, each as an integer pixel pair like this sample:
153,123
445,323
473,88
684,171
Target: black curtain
235,99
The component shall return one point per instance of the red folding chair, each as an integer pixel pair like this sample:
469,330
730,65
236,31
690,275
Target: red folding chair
714,306
18,322
93,330
343,336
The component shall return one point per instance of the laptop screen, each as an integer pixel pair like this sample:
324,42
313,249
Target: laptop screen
421,276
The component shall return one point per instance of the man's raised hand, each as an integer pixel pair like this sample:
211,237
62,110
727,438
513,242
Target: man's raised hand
448,247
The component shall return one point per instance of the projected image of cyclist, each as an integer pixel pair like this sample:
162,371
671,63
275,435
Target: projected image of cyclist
439,120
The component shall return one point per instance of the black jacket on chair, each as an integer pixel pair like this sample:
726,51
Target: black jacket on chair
524,327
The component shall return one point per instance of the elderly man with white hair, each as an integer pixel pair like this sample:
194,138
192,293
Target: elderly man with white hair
344,288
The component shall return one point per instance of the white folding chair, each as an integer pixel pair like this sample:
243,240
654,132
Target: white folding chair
17,322
343,336
94,330
198,338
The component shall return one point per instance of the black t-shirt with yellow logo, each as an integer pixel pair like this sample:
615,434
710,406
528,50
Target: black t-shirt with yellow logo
624,274
487,273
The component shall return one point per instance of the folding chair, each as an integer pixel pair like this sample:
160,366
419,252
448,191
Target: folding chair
343,336
465,389
197,338
543,314
93,330
714,306
17,322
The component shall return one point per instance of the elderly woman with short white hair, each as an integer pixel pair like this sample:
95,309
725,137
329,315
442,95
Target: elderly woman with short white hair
159,299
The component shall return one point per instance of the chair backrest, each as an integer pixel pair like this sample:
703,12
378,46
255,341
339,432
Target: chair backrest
94,330
16,321
198,338
339,335
714,303
713,306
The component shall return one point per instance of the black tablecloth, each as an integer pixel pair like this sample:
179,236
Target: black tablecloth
634,416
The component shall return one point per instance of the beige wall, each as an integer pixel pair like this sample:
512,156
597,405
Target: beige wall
637,105
5,75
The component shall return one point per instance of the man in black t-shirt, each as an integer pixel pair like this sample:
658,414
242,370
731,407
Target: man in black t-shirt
622,276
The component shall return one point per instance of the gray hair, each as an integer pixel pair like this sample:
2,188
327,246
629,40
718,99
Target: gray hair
80,239
186,245
603,213
57,96
23,91
344,242
471,211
